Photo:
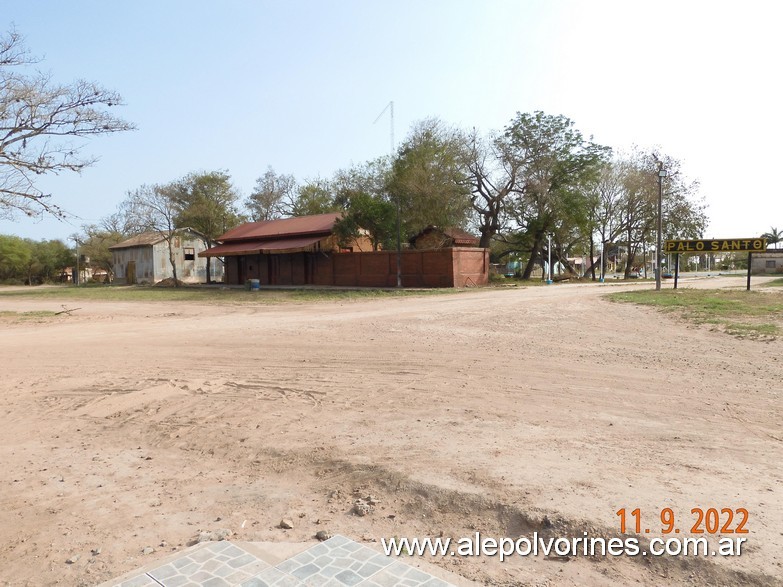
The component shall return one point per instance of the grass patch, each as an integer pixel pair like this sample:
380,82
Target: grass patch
775,283
25,316
209,295
740,313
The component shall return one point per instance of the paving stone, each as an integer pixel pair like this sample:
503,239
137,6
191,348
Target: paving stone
143,580
337,562
272,577
166,571
241,561
348,577
305,571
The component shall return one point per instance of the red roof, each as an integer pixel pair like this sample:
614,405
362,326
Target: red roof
255,247
289,227
460,236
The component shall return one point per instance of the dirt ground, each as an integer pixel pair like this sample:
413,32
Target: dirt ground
129,425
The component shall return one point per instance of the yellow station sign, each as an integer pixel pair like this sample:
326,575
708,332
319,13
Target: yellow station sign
720,245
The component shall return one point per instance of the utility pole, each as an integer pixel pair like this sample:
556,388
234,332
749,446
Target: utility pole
661,175
390,108
549,263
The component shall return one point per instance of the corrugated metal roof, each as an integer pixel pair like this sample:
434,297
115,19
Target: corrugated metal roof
140,240
146,239
255,247
300,225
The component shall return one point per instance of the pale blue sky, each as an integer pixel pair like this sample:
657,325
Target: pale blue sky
241,85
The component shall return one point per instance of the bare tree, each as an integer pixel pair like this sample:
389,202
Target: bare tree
155,209
37,119
494,176
273,197
604,194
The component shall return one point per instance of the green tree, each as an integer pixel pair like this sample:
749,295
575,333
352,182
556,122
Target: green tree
555,164
314,197
32,261
49,259
361,192
94,242
774,236
15,257
37,119
430,179
206,202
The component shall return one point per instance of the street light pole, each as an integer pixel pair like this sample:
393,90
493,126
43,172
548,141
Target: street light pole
549,263
661,175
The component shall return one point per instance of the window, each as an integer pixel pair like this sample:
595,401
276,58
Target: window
190,254
771,264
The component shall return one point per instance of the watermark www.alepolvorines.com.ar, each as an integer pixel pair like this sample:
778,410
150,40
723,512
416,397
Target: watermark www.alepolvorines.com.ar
477,545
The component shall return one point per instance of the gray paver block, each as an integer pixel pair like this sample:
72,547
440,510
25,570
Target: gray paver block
337,561
273,577
305,571
142,580
178,581
348,577
289,565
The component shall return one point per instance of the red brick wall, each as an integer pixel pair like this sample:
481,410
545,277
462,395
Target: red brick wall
471,266
457,267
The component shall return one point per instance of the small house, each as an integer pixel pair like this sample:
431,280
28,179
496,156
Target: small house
433,237
770,261
145,258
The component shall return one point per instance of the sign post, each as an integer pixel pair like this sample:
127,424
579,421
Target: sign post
721,245
676,269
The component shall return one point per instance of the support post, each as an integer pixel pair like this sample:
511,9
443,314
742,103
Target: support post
676,269
399,241
750,263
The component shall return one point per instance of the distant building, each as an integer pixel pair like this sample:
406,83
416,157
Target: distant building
304,251
769,262
145,259
433,237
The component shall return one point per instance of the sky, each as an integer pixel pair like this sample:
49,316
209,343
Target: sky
240,86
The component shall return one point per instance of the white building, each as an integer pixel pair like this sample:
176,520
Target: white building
769,262
145,258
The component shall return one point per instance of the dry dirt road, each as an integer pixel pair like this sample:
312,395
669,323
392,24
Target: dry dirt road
130,425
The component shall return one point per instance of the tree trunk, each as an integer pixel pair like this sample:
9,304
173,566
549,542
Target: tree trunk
173,263
486,237
592,256
531,262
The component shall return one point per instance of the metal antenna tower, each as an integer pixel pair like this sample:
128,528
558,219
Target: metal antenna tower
390,107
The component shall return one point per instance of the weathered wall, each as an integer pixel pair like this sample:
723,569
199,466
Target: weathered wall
457,267
768,262
152,262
